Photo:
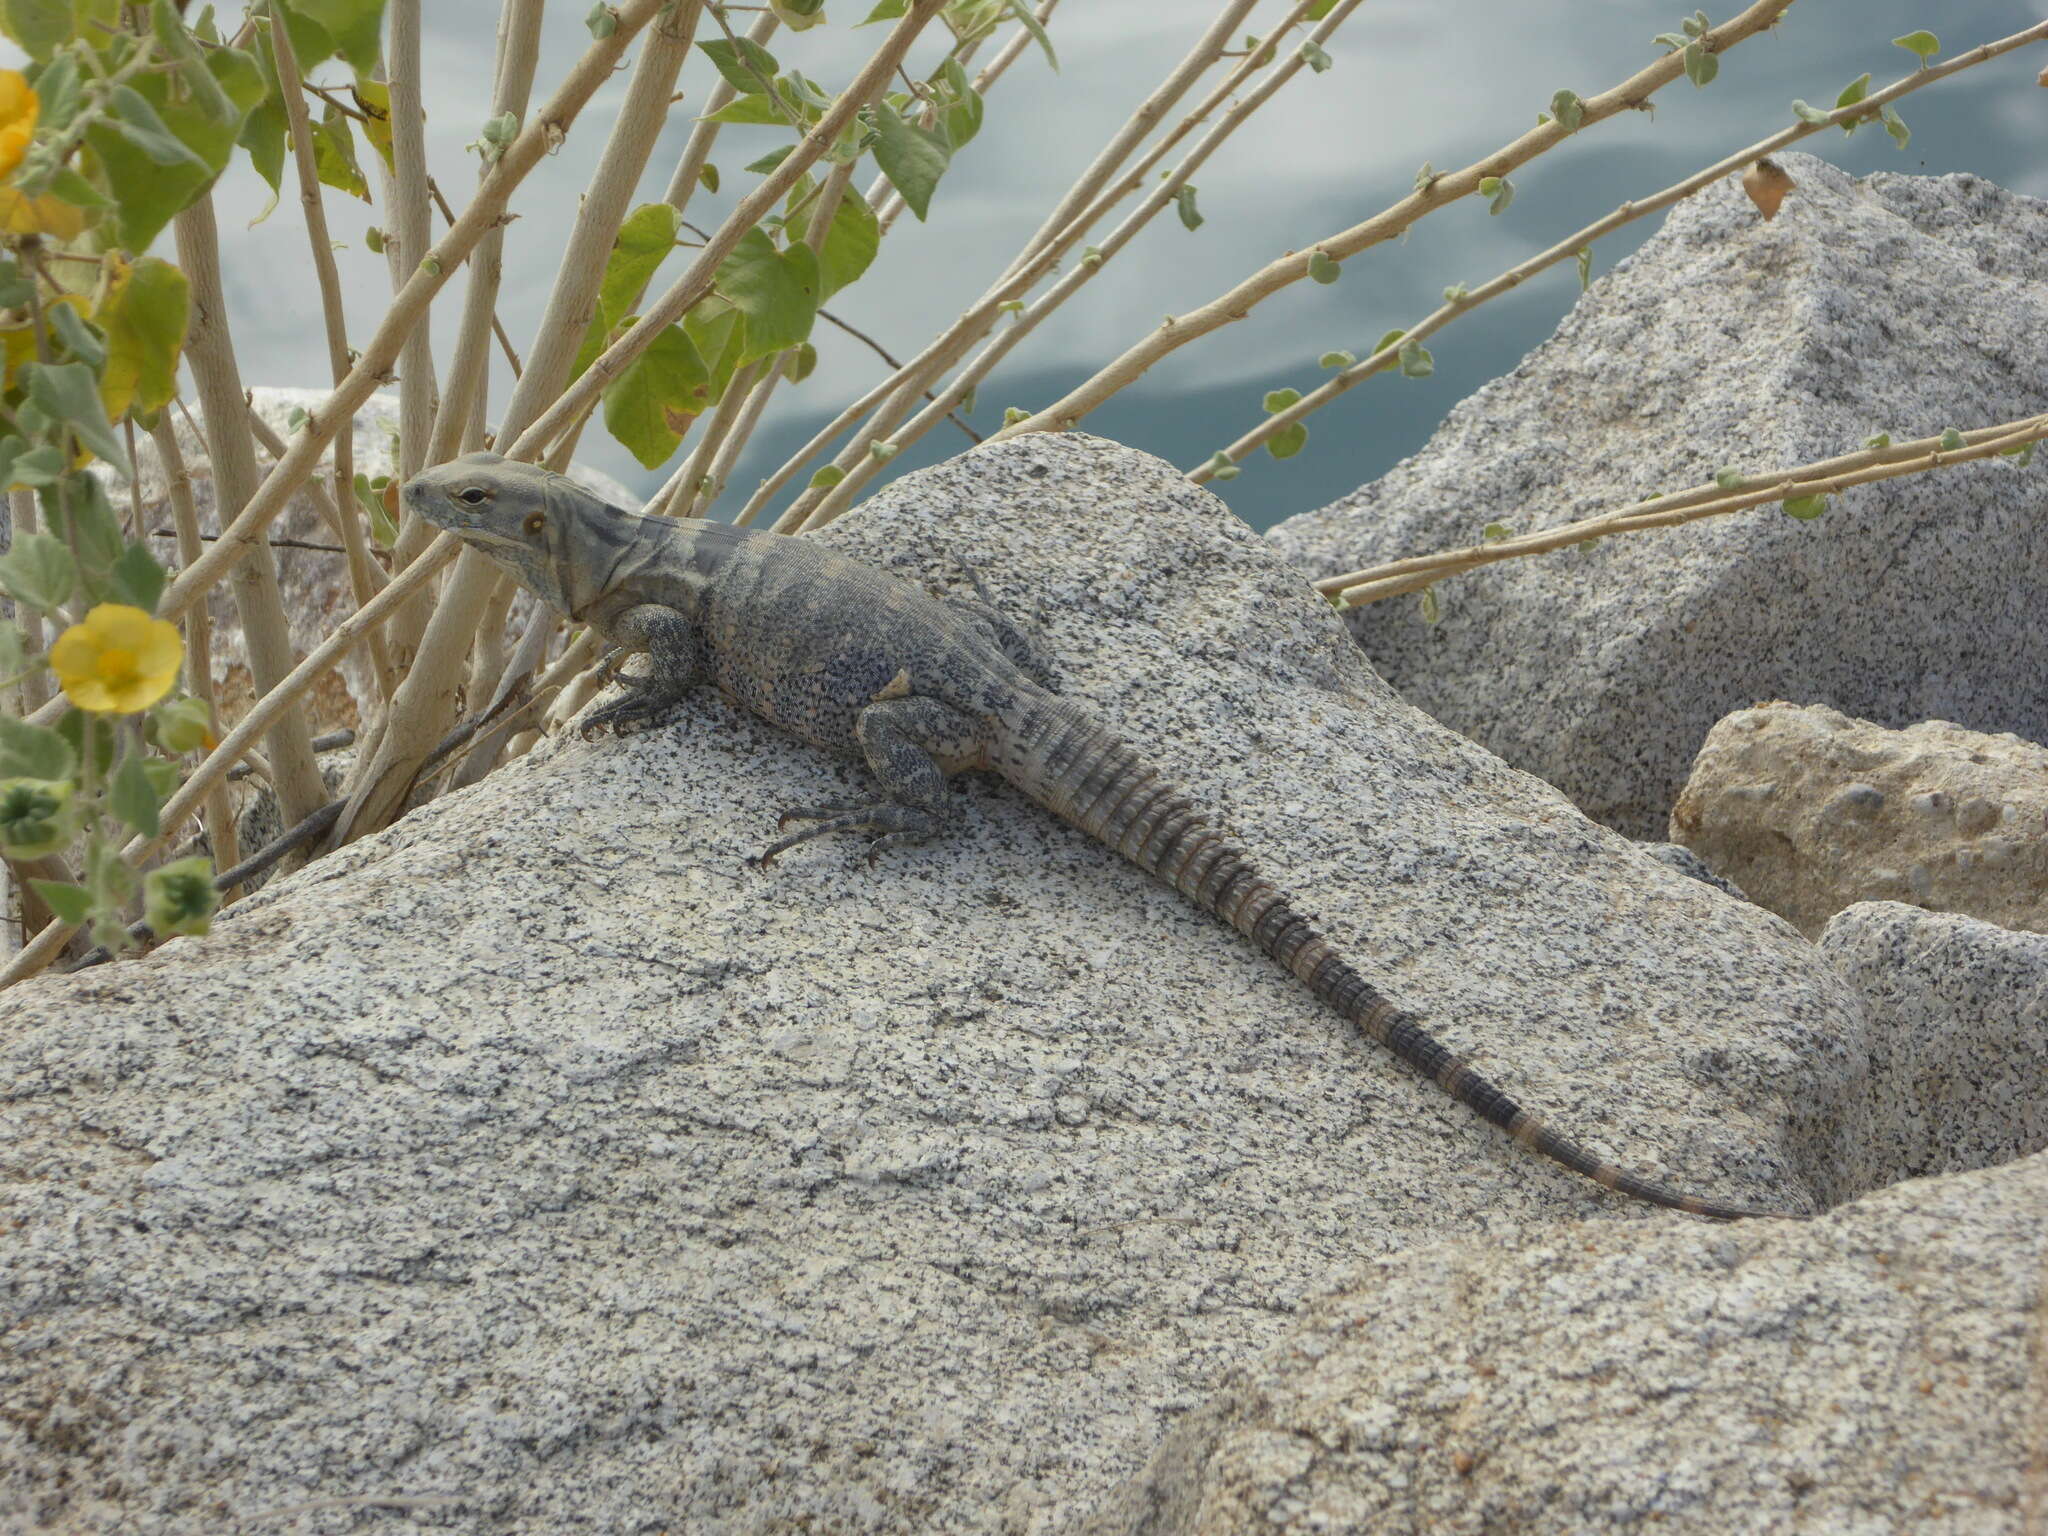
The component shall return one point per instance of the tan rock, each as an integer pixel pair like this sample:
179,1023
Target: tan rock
1810,812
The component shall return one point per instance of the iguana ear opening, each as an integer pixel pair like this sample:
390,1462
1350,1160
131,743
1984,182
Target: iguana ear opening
536,521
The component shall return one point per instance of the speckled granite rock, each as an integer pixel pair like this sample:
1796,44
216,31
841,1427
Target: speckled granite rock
1958,1036
314,583
544,1155
1811,811
1726,341
1880,1370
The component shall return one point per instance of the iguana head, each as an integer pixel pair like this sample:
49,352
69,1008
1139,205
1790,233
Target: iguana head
543,528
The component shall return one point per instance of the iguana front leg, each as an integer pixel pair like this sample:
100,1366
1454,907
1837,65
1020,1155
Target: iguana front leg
677,654
905,741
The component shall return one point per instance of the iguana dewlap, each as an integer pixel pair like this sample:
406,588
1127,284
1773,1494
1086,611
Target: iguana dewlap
857,661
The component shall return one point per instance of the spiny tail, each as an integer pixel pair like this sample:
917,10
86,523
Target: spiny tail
1067,761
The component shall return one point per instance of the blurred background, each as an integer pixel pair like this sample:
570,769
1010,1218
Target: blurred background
1413,80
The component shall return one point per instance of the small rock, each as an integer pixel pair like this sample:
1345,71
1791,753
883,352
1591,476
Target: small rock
1931,815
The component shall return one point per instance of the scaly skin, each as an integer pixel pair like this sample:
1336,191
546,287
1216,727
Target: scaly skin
858,662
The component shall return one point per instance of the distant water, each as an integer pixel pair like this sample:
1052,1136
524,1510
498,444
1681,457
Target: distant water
1414,80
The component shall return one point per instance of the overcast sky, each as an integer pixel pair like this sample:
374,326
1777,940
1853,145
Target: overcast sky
1414,80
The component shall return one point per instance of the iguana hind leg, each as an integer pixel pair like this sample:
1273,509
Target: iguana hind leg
1022,643
906,743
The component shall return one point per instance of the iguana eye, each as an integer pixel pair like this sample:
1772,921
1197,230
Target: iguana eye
474,495
535,522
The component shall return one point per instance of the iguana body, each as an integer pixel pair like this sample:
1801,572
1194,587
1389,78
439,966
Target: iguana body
856,661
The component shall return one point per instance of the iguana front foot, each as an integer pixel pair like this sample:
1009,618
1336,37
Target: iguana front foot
641,709
897,825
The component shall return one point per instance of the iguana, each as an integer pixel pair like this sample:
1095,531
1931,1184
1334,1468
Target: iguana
856,661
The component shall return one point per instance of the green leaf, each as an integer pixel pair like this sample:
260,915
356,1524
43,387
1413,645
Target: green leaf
1700,65
1568,109
885,10
1322,268
653,403
1895,125
751,110
747,67
1854,91
2021,456
133,798
39,466
1950,440
1280,399
1313,56
1386,341
827,477
334,155
850,245
70,393
176,44
71,903
179,897
1499,191
1426,177
1416,362
769,161
882,451
148,184
959,118
707,178
799,15
41,27
1338,359
1494,532
75,508
1021,9
1184,205
643,242
1585,265
1878,440
80,339
265,128
1808,114
1288,441
1223,467
1729,479
1432,610
1805,508
777,291
1923,44
145,315
799,362
912,158
720,334
352,25
136,121
31,752
136,579
14,649
602,21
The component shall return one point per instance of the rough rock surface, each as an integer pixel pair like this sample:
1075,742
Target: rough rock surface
314,583
1958,1036
1811,811
1727,341
1882,1369
543,1155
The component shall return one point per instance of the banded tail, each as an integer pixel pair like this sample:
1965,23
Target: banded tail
1070,763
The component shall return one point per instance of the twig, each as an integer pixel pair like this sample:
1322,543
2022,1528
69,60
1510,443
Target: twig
1826,478
696,282
1571,245
883,353
219,815
231,449
423,707
208,538
838,497
1438,191
415,229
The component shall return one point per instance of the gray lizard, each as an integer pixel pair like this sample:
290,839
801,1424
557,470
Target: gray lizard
860,662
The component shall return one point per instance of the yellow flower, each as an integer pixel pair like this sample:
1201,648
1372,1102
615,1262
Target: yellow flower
119,661
18,108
